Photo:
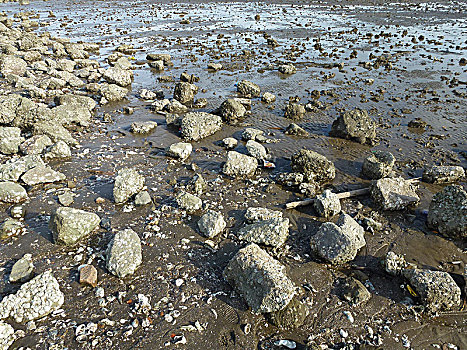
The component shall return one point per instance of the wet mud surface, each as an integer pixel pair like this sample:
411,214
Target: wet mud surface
422,42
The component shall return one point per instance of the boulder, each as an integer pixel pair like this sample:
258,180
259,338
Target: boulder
231,110
70,225
248,89
123,255
256,150
71,114
394,193
10,140
116,75
127,183
327,204
164,57
55,132
378,165
76,100
179,150
198,125
239,165
14,168
230,142
273,232
443,174
11,192
185,92
295,111
113,92
211,224
314,166
42,174
355,125
252,134
8,106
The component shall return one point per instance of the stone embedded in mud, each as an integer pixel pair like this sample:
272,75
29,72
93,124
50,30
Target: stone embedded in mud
231,110
261,214
179,150
353,291
260,279
198,125
115,75
11,192
230,142
443,174
437,289
355,125
211,224
394,193
11,227
7,335
22,270
165,57
256,150
251,134
127,183
35,144
248,89
295,111
10,64
113,92
268,97
185,92
10,140
124,254
378,165
59,150
295,130
394,264
197,184
42,174
143,198
35,299
327,204
143,127
448,212
314,166
189,202
273,232
287,69
338,243
290,317
70,225
239,165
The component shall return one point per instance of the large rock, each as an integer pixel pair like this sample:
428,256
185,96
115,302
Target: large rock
273,232
448,212
211,224
123,254
198,125
143,127
127,183
7,335
14,168
239,165
70,225
35,299
378,165
42,174
231,110
248,89
22,270
185,92
71,114
11,192
355,125
76,100
314,166
394,193
56,132
443,174
260,279
10,64
115,75
10,140
338,243
113,92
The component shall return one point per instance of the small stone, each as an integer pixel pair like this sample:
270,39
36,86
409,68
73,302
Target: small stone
124,254
11,192
185,92
22,270
251,134
18,212
214,66
143,198
211,224
66,199
378,165
287,69
189,202
273,232
230,143
327,204
197,184
10,228
256,150
248,89
143,127
261,214
239,165
291,317
443,174
394,264
353,291
417,123
268,97
157,65
35,144
294,129
394,193
88,275
179,150
295,111
354,125
127,183
314,166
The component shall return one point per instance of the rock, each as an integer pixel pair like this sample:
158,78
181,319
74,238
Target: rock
149,95
268,97
353,291
124,254
143,127
42,174
251,134
70,225
443,174
11,192
327,204
260,279
127,183
248,89
256,150
66,199
56,132
14,168
294,129
290,317
197,184
309,189
378,165
35,144
88,275
18,211
232,111
76,100
164,57
239,165
338,243
113,92
7,335
437,289
417,123
159,105
211,224
157,65
273,232
179,150
290,179
59,150
10,228
189,78
198,125
261,214
394,264
354,125
448,212
115,75
22,270
10,64
295,111
71,114
10,140
214,66
8,107
35,299
287,69
314,166
394,193
185,92
143,198
230,142
189,202
176,107
200,103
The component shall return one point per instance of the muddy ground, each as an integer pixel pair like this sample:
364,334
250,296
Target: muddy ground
426,42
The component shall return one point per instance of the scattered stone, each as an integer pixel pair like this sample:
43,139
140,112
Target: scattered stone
66,199
248,89
273,232
287,69
290,179
294,129
197,184
394,193
143,127
143,198
260,279
239,165
198,125
88,275
35,145
230,142
231,110
189,202
179,150
157,65
261,214
22,270
127,183
251,134
59,150
290,317
448,212
42,174
394,264
10,228
378,165
185,92
327,204
314,166
268,97
417,123
355,125
7,335
70,225
215,66
443,174
211,224
256,150
11,192
164,57
123,255
353,291
10,139
295,111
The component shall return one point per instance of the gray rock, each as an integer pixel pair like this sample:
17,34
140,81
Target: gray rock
197,184
10,140
10,228
327,204
287,69
35,299
143,198
248,89
290,179
394,264
230,142
251,134
378,165
314,166
443,174
338,243
354,125
211,224
157,65
394,193
185,92
59,150
14,168
295,111
231,110
214,66
261,214
239,165
22,270
256,150
294,129
115,75
7,335
56,132
309,189
353,291
164,57
179,150
127,183
448,212
71,114
290,317
113,92
76,100
124,254
143,127
176,107
189,202
10,64
66,198
159,105
268,97
42,174
8,106
11,192
35,144
198,125
70,225
273,232
260,279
